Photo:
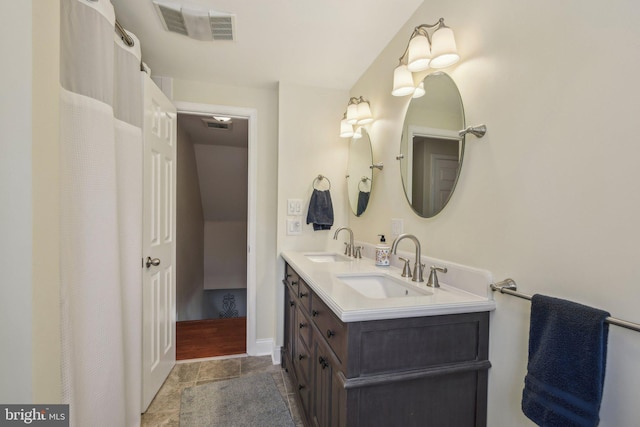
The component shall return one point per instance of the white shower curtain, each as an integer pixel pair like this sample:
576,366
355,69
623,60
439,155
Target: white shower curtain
101,214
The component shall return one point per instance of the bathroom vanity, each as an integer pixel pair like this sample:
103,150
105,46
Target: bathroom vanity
410,360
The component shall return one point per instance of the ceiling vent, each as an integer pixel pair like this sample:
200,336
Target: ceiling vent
215,124
198,24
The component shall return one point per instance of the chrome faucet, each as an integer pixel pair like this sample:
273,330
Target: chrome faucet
417,267
349,250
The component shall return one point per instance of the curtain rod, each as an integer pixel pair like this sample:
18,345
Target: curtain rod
509,287
126,38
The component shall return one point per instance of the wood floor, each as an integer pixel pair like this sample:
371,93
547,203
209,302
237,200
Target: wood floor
196,339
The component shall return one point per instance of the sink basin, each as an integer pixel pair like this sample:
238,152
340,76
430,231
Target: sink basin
381,286
326,257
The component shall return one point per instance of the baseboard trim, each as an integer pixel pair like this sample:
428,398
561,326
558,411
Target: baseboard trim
275,354
262,347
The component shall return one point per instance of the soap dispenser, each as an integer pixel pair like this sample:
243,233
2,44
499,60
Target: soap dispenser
382,252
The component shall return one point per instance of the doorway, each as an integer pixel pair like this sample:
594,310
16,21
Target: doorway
215,301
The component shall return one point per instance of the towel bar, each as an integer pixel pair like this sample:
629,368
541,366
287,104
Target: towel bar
320,178
364,180
509,287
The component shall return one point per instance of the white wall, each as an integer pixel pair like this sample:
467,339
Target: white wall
46,196
189,233
265,101
16,201
309,144
225,254
550,195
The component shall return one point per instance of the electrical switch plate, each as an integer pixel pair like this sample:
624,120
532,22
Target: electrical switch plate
294,227
397,227
294,206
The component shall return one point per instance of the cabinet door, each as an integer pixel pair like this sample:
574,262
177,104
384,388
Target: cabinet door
289,326
323,373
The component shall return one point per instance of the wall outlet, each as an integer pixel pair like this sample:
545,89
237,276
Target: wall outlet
397,227
294,227
294,206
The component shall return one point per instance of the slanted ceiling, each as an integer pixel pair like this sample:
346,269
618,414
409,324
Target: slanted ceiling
222,166
328,43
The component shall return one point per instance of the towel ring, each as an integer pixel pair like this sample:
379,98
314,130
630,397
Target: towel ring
363,180
318,179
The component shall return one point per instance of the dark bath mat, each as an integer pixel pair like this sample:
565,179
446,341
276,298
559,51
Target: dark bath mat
253,400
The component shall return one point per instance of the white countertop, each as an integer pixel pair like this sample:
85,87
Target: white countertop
351,306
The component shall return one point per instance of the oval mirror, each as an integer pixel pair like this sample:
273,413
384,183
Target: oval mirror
359,172
431,151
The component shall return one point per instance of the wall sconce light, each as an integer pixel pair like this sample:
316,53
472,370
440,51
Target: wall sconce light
346,129
435,50
358,114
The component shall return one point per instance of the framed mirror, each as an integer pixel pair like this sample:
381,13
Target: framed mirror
359,172
431,151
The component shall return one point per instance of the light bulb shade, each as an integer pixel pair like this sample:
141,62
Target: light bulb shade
352,114
346,130
419,91
357,134
402,81
364,113
419,54
443,48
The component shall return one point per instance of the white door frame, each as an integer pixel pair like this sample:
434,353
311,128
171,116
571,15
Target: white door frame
252,115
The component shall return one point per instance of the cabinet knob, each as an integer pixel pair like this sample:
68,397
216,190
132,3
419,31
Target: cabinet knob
292,303
303,294
294,282
301,356
288,275
315,313
330,333
301,386
323,362
302,325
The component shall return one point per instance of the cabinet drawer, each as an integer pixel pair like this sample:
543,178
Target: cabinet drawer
331,328
304,295
291,277
303,326
302,361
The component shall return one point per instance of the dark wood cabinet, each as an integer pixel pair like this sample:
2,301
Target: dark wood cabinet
421,371
290,302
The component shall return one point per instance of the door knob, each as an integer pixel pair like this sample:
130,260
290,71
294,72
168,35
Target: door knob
152,261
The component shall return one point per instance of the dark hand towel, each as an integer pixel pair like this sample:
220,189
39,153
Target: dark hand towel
567,358
363,201
320,210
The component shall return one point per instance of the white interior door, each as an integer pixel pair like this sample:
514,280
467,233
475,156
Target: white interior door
444,171
159,241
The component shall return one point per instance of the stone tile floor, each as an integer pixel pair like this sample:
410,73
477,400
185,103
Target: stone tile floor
165,407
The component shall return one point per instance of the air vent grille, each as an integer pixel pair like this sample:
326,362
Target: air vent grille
200,24
214,124
221,27
173,20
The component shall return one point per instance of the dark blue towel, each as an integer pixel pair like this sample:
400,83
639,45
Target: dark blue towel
363,201
320,210
567,359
